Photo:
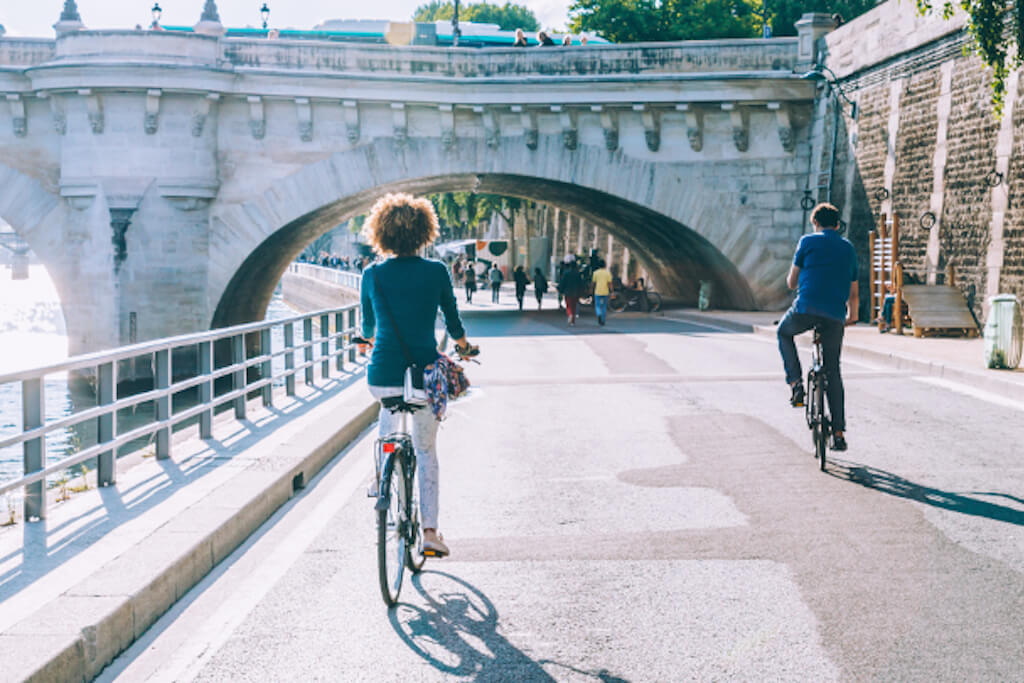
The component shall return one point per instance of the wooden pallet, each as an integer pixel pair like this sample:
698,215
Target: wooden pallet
939,310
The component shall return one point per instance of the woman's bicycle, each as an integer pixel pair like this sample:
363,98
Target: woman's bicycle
818,420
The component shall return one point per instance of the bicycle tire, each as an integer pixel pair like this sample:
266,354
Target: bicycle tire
414,557
391,543
617,302
821,424
653,302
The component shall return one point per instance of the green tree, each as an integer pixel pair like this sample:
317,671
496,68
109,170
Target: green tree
458,212
508,16
783,14
627,21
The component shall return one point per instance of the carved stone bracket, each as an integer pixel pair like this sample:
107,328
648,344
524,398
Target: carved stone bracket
610,126
351,120
489,117
567,119
202,112
257,117
94,104
187,195
447,113
304,111
694,125
400,123
19,121
651,119
528,119
740,119
152,111
79,194
60,119
786,136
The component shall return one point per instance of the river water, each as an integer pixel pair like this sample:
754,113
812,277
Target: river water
33,334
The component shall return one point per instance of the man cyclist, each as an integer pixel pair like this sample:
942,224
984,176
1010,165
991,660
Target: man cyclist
824,272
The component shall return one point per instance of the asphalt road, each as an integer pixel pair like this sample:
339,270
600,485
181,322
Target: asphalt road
639,503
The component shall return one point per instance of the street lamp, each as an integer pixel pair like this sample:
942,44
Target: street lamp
156,13
821,73
265,15
455,26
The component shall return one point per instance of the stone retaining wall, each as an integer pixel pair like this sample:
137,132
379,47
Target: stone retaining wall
307,294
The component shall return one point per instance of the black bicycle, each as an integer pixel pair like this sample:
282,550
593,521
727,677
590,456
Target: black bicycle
642,299
818,419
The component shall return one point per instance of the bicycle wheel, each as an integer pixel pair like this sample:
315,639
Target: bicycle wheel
820,423
391,533
617,302
653,302
414,557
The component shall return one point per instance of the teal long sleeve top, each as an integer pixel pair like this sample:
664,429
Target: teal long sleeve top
414,288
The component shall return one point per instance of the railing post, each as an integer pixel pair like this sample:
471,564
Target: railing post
339,343
267,369
206,390
325,346
33,409
106,386
163,404
238,376
307,337
352,326
289,359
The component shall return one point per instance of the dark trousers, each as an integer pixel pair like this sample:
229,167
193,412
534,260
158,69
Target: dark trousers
831,346
495,288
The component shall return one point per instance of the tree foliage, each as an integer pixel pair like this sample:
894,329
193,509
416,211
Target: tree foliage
460,212
628,21
783,14
997,31
508,16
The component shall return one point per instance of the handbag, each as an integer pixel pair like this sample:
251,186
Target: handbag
414,391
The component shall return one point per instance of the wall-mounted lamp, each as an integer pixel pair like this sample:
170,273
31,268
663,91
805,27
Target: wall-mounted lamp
807,201
821,73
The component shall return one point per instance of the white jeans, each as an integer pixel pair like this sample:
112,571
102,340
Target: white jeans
424,442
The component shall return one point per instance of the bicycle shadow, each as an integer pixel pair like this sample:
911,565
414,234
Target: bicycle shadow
457,634
895,485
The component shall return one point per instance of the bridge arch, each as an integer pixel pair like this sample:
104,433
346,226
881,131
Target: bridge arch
684,225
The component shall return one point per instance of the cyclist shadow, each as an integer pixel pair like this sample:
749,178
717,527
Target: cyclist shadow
894,485
456,632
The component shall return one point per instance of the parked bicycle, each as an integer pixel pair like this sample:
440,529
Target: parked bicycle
640,299
815,409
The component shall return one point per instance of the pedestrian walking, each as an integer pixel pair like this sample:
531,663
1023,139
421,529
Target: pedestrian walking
495,277
570,286
457,271
519,275
540,287
470,278
602,279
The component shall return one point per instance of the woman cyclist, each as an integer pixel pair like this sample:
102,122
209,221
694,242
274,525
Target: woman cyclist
400,298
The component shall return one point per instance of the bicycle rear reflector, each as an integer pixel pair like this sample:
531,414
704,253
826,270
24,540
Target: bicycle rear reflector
388,447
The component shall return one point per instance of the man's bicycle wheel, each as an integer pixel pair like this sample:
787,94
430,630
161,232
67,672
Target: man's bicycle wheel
617,302
653,302
391,543
820,429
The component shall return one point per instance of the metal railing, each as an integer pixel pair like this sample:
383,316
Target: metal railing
258,354
345,278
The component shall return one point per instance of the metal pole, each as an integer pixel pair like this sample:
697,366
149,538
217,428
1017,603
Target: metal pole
351,326
325,346
339,343
206,390
289,359
267,369
238,377
163,404
33,412
106,467
307,336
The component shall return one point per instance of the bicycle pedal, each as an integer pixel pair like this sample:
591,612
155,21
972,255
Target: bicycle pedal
432,553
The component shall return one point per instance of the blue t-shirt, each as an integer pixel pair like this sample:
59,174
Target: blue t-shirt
413,288
828,264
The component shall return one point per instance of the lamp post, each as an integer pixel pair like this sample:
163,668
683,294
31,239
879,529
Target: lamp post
157,11
821,73
265,15
455,26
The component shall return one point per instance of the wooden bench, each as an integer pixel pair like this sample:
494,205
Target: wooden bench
939,310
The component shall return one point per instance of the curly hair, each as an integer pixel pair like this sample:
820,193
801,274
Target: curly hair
400,224
826,215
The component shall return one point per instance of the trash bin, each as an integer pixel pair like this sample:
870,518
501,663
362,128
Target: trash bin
1003,334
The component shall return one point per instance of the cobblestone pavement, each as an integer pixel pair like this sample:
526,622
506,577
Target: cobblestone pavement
639,503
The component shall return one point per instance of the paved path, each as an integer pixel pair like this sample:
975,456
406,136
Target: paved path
639,503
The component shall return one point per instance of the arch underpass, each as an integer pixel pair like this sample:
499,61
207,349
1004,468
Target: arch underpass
677,256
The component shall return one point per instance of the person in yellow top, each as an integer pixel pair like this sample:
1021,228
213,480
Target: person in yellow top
602,280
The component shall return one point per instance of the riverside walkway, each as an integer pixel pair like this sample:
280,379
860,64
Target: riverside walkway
633,502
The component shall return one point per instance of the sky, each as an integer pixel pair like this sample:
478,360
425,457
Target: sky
35,18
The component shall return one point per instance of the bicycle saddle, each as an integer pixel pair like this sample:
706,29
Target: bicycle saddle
396,404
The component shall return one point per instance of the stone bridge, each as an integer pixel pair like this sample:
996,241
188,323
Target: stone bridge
166,179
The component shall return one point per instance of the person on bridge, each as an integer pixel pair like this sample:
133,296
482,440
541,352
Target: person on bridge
824,273
602,279
400,297
495,277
